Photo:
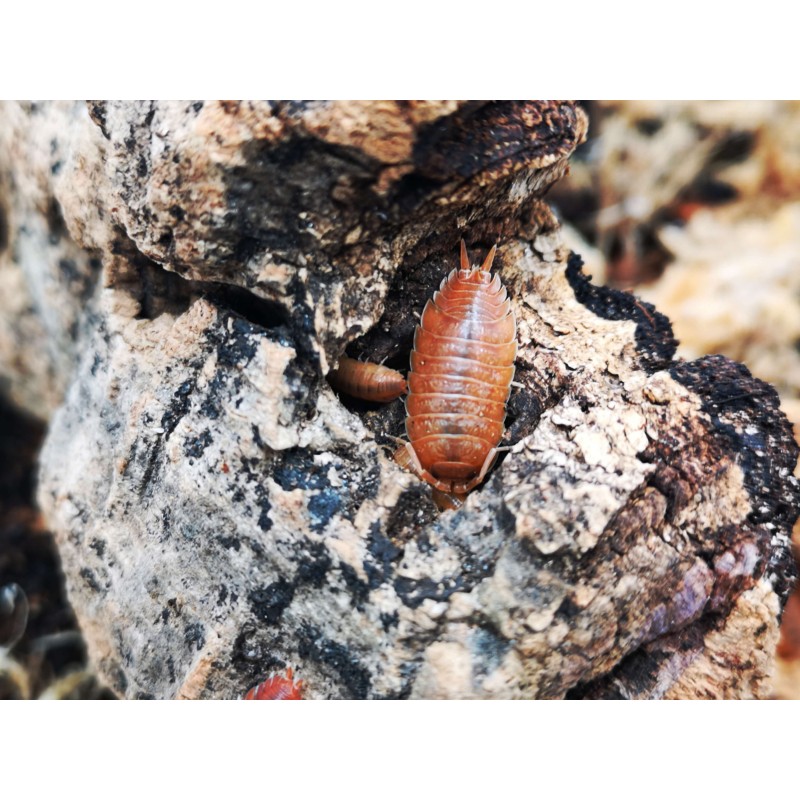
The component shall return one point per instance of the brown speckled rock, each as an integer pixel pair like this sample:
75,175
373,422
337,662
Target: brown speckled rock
222,513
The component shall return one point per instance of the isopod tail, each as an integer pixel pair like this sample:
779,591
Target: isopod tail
444,501
487,263
447,501
464,256
489,260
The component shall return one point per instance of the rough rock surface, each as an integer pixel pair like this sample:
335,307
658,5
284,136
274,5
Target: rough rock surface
222,513
703,195
45,276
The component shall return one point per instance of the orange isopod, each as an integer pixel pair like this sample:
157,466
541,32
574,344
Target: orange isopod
367,381
462,366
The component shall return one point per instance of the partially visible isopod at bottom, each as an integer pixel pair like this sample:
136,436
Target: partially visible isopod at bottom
278,687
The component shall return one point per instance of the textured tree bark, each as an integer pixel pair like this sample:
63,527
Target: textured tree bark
222,513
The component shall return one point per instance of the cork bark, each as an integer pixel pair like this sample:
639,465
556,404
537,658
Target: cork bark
221,513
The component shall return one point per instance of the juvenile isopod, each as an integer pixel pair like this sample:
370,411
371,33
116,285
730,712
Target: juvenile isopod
367,381
462,366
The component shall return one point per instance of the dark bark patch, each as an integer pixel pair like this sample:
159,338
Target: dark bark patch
414,592
194,636
496,136
90,579
193,448
97,113
314,567
336,657
269,602
655,342
383,554
748,426
177,408
357,588
489,649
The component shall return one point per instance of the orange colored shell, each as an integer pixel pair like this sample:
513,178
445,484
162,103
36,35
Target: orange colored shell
277,688
367,381
462,365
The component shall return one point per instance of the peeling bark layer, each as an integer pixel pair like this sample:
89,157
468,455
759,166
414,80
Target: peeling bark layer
221,513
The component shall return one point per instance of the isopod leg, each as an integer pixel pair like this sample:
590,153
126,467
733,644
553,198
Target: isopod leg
487,264
408,459
487,465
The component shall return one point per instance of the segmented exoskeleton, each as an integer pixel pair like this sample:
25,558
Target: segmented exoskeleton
462,366
367,381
